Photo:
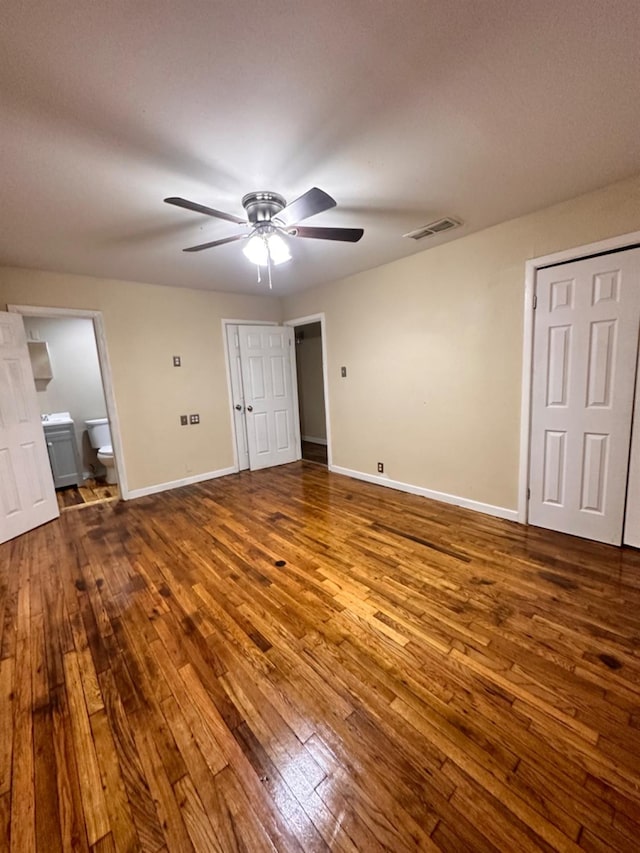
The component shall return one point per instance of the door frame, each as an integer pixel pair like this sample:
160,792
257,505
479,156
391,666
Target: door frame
611,244
227,366
105,370
304,321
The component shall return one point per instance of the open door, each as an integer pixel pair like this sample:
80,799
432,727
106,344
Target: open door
27,496
270,395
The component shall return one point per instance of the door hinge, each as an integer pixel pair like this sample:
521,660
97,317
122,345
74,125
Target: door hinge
528,494
535,301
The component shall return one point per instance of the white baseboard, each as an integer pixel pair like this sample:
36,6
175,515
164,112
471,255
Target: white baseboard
176,484
488,509
313,440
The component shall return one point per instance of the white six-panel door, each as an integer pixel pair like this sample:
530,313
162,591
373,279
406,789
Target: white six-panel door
27,495
268,378
585,346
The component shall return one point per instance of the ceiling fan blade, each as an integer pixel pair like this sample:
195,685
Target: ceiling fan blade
215,243
200,208
312,202
347,235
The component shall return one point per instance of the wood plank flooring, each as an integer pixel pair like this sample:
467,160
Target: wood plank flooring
90,492
313,452
291,660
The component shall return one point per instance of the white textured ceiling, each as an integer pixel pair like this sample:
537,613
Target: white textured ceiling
403,111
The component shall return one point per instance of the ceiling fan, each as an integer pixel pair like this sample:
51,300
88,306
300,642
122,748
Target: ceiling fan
268,219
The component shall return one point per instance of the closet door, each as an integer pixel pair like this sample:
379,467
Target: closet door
237,396
270,388
585,353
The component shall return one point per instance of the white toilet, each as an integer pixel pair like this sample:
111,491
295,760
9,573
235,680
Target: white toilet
100,438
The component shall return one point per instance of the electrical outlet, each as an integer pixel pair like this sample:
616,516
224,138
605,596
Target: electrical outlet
380,467
184,420
176,361
343,372
194,419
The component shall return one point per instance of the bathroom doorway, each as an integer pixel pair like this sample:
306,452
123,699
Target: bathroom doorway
311,369
69,376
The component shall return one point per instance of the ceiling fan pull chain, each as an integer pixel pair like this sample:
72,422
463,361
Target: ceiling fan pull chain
266,243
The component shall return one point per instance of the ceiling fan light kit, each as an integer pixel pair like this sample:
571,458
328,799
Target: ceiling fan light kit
270,220
266,247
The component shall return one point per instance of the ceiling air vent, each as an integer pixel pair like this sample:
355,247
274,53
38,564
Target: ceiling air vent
436,227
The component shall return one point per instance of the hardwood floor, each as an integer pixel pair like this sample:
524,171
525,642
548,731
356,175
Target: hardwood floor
294,660
313,452
90,492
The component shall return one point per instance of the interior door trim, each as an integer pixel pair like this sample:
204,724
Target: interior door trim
612,244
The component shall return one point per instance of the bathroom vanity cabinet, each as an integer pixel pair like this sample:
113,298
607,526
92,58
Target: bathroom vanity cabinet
63,454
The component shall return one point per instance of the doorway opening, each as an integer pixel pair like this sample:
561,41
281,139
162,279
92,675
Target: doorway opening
73,390
261,373
313,387
312,410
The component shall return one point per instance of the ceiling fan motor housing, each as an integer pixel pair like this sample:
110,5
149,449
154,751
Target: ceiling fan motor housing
262,206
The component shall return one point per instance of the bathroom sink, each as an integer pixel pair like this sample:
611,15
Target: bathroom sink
56,418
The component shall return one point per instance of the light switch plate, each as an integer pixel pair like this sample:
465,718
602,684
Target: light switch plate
194,419
343,372
176,361
184,420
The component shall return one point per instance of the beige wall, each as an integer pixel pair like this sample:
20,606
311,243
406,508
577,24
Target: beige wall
432,344
433,350
145,326
313,421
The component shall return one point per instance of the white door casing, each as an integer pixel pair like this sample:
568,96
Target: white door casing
632,512
584,362
268,377
27,495
237,396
